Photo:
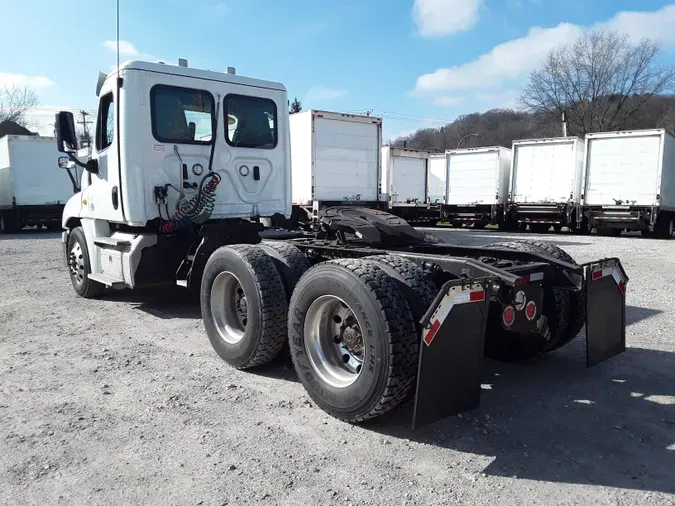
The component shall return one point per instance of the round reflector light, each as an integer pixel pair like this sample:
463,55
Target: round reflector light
509,316
530,310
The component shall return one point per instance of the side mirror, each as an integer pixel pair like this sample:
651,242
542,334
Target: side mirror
66,139
65,163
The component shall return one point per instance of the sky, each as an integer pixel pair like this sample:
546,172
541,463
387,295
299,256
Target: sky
415,63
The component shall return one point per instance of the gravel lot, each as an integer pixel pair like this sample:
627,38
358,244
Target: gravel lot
123,401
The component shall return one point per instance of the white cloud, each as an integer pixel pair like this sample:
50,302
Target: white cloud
638,25
24,80
512,61
508,60
126,47
437,18
323,93
449,101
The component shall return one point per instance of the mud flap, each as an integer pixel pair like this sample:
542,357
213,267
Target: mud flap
605,311
451,354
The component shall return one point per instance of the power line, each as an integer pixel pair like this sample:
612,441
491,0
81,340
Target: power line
399,116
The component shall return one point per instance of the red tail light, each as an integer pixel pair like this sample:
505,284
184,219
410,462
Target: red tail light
530,310
509,316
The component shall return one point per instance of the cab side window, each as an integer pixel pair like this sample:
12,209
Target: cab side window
181,115
251,122
105,128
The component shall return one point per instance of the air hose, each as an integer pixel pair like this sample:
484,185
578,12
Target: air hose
198,209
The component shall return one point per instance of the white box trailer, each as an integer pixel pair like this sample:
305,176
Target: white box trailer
477,185
546,178
335,159
629,182
33,190
405,185
437,173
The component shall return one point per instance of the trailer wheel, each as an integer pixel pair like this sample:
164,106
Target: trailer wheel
244,305
417,286
663,229
8,223
80,267
539,228
353,339
289,261
609,231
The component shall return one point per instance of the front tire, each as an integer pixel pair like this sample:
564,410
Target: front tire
244,306
353,339
80,266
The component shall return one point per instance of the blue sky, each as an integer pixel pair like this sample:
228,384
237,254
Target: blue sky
411,61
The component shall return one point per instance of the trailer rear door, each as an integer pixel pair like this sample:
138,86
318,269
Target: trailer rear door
473,177
346,157
623,169
545,171
408,179
437,175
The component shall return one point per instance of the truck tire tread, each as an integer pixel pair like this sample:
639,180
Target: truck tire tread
273,303
399,326
421,290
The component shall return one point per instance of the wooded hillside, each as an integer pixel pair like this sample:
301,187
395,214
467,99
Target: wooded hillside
499,127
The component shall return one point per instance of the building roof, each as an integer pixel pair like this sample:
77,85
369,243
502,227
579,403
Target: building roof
8,127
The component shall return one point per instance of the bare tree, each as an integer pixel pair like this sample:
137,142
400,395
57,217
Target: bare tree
296,106
14,102
599,83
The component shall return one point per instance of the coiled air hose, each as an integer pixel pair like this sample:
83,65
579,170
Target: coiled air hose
198,209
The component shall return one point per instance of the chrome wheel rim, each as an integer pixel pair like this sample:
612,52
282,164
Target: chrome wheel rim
334,341
229,307
76,263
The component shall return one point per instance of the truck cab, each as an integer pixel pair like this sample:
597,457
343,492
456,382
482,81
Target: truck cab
164,135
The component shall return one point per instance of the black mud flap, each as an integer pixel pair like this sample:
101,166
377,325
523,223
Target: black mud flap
605,311
451,354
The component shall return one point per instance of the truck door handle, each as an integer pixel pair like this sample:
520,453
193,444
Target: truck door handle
256,173
115,197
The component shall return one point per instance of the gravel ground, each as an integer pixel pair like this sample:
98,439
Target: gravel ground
123,401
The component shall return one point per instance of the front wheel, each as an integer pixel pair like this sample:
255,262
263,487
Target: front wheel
80,266
353,339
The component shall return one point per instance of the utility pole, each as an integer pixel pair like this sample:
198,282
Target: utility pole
84,124
564,125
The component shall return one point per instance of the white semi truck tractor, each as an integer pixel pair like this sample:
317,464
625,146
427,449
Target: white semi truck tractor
187,163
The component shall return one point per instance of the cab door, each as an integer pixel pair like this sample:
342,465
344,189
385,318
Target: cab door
101,198
254,158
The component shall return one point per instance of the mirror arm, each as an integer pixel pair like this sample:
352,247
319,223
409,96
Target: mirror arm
76,187
76,161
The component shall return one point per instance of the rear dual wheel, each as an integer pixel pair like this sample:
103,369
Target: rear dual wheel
244,305
353,338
